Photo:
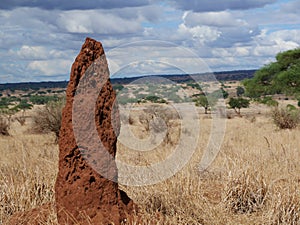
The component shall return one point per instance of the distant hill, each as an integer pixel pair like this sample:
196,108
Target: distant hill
237,75
180,78
25,86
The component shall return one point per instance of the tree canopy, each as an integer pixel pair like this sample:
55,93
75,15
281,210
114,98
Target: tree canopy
206,101
280,77
238,103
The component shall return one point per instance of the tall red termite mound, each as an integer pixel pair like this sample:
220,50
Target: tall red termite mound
86,184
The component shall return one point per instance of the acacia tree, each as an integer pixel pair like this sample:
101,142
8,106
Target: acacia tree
206,102
238,103
282,76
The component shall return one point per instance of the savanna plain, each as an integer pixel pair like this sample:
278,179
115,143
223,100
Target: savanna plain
253,180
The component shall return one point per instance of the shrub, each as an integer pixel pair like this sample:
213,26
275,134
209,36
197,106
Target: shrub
41,100
123,100
21,120
48,118
245,193
118,87
4,126
291,107
267,100
158,119
284,118
155,99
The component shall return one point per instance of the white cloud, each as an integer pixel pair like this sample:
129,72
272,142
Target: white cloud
94,21
32,52
231,52
199,34
290,36
217,19
50,67
269,44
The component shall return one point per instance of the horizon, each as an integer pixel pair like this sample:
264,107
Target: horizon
135,76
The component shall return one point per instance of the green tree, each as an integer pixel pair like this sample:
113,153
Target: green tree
221,93
238,103
206,102
267,100
224,93
240,91
282,76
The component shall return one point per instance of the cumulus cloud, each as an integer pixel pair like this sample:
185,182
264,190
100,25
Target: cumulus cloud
217,29
216,19
94,21
26,52
71,5
31,52
49,67
199,34
269,44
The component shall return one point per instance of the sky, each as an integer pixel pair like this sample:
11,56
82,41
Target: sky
39,39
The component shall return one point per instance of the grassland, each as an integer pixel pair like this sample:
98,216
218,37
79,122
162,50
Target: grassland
254,179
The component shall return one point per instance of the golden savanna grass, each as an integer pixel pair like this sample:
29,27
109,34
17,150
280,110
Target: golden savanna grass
254,179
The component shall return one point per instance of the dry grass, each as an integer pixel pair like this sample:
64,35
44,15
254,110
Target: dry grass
28,168
254,180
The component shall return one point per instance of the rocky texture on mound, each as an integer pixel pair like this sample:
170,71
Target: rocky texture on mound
87,188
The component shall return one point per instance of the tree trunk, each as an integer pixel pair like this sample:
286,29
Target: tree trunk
238,111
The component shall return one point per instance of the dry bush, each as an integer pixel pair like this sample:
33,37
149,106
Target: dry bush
4,126
21,120
48,119
165,112
285,118
245,193
159,119
130,120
